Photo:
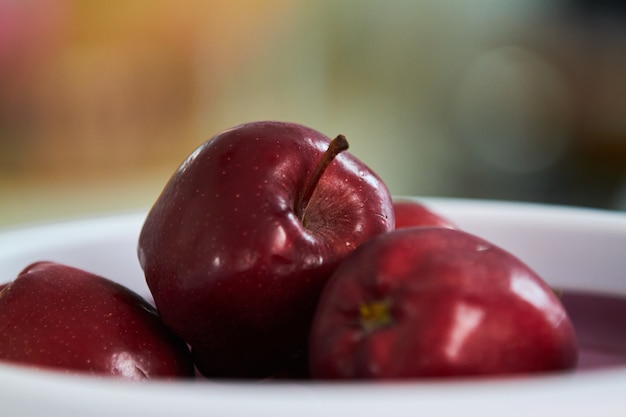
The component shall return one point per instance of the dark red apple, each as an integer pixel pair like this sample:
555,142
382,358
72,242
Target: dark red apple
243,237
413,213
59,317
437,302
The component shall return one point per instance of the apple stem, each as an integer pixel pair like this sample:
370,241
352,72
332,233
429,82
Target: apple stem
335,147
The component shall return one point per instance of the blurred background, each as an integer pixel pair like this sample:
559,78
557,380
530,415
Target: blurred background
495,99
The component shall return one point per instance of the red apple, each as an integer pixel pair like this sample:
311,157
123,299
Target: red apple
413,213
243,237
295,368
437,302
58,317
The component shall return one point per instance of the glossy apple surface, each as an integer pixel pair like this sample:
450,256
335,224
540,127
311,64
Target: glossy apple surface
437,302
59,317
234,253
412,213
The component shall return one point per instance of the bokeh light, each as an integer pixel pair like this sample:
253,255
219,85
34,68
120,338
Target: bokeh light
515,99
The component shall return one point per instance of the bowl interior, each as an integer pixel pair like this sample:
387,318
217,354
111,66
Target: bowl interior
578,250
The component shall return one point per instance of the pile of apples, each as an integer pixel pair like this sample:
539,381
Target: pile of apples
272,252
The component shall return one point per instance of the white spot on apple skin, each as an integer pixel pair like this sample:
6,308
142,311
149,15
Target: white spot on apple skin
530,291
315,260
125,365
216,262
190,159
482,247
246,260
278,239
466,318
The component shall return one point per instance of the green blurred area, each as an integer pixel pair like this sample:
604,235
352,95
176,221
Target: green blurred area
515,99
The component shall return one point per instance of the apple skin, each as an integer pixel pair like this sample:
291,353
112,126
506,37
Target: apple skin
53,316
413,213
232,267
437,302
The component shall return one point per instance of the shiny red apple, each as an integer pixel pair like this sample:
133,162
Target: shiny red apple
54,316
437,302
414,213
243,237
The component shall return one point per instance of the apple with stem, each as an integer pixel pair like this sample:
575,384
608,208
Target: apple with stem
243,237
53,316
413,213
437,302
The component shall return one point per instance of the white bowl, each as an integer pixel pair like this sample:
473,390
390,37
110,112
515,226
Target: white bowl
572,248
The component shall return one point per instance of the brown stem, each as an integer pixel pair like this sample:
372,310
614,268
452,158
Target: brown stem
335,147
